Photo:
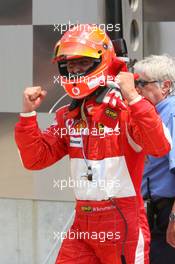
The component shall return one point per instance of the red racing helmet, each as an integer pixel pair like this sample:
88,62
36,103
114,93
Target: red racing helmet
84,40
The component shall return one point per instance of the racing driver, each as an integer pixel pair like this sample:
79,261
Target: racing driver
132,129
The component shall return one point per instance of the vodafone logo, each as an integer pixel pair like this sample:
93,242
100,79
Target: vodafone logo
75,90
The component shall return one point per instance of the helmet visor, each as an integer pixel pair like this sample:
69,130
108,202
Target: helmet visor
77,49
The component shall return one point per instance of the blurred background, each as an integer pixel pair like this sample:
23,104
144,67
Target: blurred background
32,207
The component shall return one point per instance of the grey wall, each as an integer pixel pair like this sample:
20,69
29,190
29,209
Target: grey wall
15,12
159,38
29,230
159,27
16,59
46,12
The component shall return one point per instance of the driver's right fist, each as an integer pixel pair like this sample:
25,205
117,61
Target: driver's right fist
32,98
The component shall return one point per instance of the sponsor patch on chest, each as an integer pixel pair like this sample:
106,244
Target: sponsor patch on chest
111,113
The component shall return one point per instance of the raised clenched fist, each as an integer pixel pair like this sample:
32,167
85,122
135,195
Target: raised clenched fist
126,82
32,98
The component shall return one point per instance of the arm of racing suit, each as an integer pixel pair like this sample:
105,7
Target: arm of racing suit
38,149
147,130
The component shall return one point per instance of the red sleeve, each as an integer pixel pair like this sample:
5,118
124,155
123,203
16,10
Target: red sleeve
147,129
38,149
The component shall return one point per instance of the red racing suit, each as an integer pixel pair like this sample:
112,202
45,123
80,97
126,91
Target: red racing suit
116,159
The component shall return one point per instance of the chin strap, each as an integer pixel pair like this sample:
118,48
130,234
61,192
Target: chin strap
74,108
76,104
